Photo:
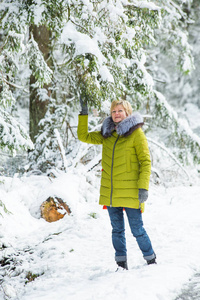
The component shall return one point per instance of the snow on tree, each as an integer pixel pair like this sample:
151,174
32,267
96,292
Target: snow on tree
171,63
13,136
100,50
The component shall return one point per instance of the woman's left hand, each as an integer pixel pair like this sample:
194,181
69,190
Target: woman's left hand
142,195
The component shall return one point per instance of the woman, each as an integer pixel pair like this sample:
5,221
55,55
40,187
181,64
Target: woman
126,168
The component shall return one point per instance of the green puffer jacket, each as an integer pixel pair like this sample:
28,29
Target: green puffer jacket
126,163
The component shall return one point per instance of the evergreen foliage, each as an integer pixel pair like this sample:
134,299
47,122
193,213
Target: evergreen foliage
101,50
12,135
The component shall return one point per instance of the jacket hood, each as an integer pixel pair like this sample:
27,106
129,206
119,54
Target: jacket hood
125,127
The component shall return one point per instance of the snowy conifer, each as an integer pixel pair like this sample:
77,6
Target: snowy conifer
100,50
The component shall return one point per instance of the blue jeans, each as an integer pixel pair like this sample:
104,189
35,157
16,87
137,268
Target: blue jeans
136,225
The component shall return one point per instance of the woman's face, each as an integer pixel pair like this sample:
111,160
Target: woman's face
118,113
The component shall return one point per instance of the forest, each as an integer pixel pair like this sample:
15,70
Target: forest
53,52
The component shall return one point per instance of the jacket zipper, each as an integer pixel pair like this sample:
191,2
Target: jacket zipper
112,171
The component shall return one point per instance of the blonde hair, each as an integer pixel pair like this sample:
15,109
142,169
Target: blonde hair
126,105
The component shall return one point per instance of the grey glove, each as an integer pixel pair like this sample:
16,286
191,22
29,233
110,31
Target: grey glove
84,107
143,195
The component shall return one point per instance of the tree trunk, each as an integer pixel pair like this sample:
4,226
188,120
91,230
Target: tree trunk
38,108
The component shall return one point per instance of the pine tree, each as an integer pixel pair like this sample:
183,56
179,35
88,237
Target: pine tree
13,136
173,58
100,51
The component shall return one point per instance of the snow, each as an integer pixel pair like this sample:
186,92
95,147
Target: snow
74,257
84,44
192,113
39,9
105,74
145,4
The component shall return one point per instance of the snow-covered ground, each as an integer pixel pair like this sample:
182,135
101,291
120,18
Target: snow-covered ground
73,258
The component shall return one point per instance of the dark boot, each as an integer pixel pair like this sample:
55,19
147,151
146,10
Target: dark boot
152,261
122,264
